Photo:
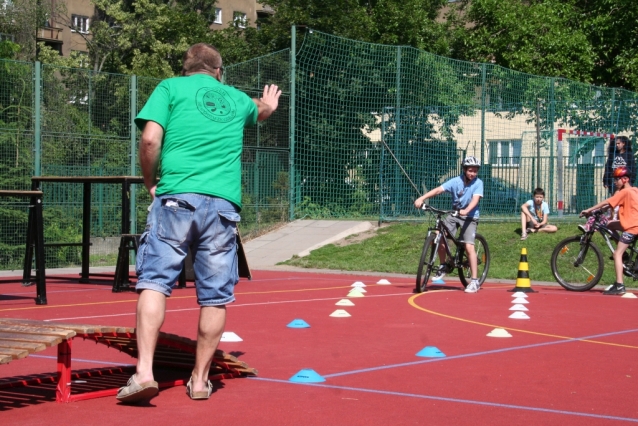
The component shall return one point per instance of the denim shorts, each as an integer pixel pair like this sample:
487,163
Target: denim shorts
208,227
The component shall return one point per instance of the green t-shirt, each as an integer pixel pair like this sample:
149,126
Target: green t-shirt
203,123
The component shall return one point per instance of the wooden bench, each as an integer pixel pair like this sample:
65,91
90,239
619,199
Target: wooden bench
21,337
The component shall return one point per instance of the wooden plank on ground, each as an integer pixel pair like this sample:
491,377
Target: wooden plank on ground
30,346
14,353
78,328
5,359
37,330
91,329
47,340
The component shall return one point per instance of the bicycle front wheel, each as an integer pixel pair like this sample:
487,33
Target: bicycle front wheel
577,266
426,264
482,261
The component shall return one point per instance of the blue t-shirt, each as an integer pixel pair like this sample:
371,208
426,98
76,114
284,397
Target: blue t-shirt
537,212
462,194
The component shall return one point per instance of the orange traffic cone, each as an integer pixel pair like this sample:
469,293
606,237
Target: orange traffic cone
522,279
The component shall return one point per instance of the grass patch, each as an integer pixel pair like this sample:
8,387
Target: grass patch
103,259
397,249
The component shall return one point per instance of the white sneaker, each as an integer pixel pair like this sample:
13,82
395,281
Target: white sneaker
473,287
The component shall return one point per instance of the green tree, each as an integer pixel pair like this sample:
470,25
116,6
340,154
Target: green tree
9,49
612,31
410,23
592,41
347,18
149,37
537,37
397,22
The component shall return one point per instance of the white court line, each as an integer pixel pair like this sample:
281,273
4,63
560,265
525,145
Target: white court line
229,306
106,287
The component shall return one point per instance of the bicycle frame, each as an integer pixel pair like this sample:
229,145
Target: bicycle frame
611,237
459,260
444,234
607,234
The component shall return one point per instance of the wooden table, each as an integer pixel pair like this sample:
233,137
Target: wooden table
87,181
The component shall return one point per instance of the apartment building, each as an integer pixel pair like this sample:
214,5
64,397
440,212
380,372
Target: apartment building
68,33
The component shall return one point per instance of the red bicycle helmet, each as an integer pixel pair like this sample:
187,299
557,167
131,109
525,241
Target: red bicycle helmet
620,172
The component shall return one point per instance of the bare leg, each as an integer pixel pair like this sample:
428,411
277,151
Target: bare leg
523,223
442,254
471,256
212,320
549,229
620,250
151,307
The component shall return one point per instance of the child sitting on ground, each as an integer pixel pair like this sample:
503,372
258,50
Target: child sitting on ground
534,215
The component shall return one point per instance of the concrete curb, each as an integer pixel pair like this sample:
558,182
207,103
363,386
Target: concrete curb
361,227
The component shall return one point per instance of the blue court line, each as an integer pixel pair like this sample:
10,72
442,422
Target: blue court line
457,400
515,348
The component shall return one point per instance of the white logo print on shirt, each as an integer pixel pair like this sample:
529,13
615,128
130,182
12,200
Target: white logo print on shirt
618,161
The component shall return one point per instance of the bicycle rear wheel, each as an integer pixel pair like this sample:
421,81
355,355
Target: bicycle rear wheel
483,261
426,264
577,266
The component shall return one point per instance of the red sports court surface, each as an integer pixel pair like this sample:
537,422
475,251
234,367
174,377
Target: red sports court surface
573,362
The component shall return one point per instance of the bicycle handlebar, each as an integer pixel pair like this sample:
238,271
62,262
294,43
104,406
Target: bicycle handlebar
596,213
427,207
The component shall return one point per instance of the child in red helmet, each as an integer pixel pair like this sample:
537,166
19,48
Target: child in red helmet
626,198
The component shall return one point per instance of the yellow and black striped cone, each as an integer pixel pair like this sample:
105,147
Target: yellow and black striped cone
522,279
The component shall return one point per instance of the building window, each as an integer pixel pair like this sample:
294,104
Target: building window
505,152
239,19
218,16
80,24
7,37
586,151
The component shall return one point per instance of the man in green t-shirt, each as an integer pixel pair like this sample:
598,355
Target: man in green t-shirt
192,132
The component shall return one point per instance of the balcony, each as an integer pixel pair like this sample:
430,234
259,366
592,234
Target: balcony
50,34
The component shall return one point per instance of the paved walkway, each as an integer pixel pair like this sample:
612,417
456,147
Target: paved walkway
299,238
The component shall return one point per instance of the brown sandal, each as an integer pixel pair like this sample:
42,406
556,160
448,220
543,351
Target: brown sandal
135,392
198,395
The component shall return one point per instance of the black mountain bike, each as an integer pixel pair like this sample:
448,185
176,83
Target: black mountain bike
439,235
577,263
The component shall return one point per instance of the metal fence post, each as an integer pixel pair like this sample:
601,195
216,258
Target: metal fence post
483,106
291,159
37,122
133,113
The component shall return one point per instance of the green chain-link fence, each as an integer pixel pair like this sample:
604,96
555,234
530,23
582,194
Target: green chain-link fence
360,131
378,125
